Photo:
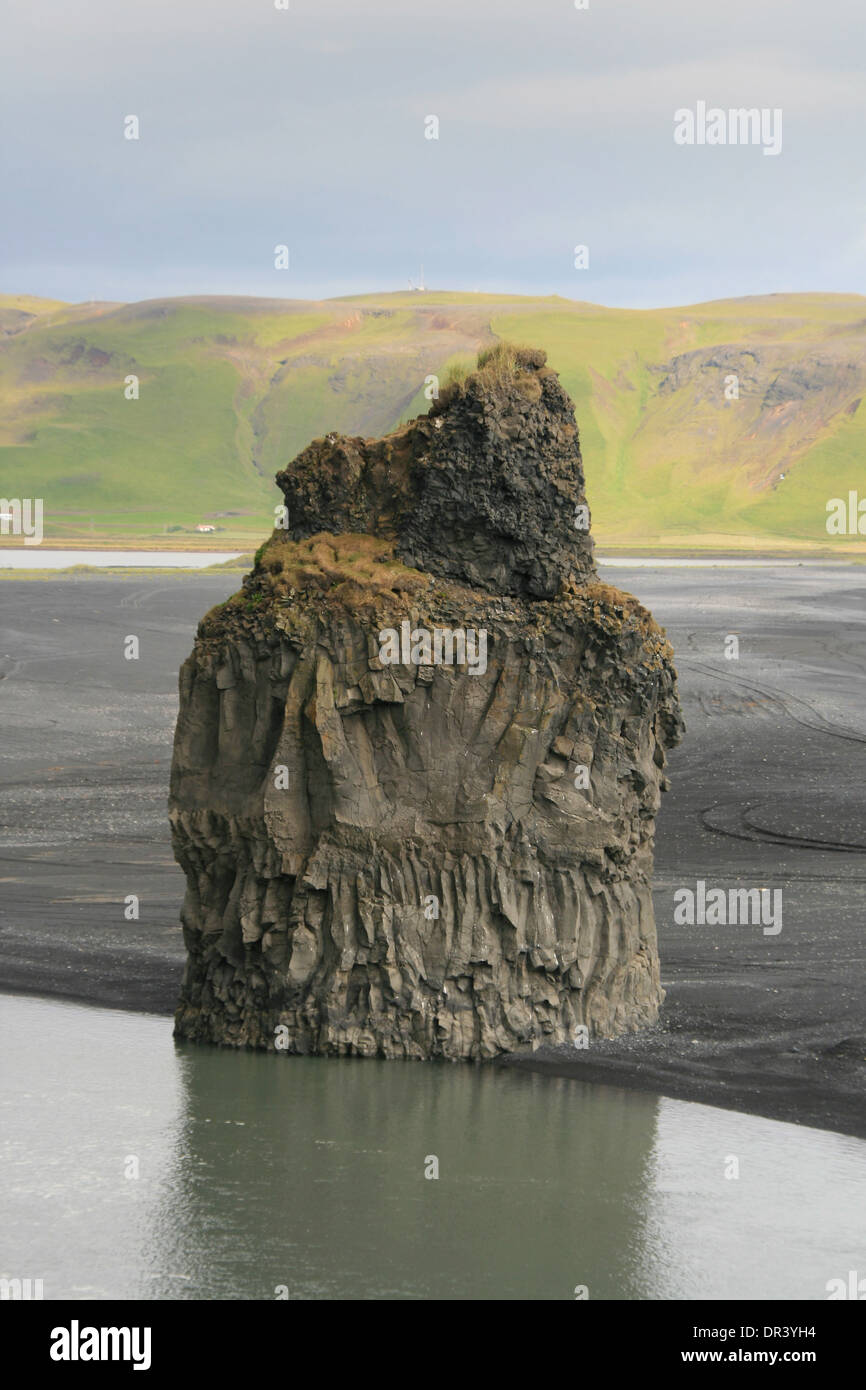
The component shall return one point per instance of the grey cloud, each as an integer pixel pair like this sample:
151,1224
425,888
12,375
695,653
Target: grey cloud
307,127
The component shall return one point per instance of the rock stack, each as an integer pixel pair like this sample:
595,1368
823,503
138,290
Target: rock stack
419,754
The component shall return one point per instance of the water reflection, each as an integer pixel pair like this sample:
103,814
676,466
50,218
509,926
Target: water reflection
310,1174
257,1172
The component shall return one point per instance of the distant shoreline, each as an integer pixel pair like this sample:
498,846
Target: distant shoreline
242,560
56,562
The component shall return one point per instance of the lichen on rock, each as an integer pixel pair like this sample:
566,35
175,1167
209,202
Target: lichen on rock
390,853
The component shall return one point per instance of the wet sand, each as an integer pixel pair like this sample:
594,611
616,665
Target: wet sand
768,791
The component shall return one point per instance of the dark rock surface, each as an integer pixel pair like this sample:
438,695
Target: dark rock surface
401,858
484,489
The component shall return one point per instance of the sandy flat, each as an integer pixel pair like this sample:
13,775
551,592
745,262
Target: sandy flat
769,791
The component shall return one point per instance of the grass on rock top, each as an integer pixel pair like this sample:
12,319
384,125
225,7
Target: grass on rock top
359,575
351,568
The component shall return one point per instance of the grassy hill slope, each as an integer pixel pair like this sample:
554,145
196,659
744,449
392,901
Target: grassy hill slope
230,389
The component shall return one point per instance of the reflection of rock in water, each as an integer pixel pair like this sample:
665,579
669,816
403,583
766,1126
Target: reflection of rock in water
389,854
310,1175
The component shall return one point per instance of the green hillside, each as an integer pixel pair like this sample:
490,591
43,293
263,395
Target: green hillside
230,389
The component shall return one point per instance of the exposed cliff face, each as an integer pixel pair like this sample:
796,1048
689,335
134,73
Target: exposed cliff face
387,853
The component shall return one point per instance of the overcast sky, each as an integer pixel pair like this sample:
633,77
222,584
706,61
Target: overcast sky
306,127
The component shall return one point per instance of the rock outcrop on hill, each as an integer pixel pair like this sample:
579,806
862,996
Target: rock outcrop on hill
419,755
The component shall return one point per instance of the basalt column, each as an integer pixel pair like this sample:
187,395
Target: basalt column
419,754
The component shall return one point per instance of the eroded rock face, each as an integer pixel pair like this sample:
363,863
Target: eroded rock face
484,489
404,858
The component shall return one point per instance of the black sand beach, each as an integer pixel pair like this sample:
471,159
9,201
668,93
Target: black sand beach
768,791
